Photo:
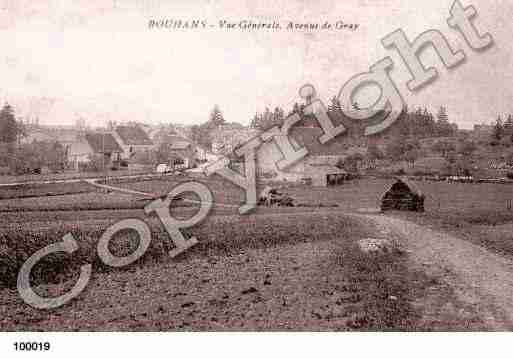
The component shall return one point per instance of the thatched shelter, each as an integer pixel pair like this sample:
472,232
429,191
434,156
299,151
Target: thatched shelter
403,195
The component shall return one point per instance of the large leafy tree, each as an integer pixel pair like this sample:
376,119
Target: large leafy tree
411,155
38,154
202,134
374,153
394,150
411,151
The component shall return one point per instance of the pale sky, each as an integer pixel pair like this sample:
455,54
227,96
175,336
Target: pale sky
98,59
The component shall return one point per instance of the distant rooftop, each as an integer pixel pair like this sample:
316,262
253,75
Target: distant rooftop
134,135
102,143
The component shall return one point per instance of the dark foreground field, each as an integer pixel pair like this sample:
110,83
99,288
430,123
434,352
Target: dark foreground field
262,272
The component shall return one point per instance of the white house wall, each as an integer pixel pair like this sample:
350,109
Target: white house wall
267,156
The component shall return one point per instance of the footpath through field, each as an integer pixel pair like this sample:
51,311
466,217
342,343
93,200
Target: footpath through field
480,278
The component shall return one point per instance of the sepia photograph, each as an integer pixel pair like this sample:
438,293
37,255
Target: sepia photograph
254,168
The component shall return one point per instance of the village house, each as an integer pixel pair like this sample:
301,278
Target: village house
317,168
90,144
184,150
37,135
132,139
64,135
226,138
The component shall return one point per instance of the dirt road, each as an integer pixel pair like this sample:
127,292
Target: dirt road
480,279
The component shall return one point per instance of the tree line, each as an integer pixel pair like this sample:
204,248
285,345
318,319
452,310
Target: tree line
419,123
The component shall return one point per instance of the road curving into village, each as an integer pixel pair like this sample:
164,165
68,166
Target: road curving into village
480,279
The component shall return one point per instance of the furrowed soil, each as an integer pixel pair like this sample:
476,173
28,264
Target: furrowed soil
261,272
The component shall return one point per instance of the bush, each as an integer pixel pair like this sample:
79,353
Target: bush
96,163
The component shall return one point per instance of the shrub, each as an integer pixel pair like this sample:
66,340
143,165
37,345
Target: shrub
96,163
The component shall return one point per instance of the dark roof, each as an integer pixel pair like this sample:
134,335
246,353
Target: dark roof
103,143
180,145
309,138
170,138
403,181
133,135
413,186
175,141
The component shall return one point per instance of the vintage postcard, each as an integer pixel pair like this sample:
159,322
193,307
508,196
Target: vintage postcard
255,166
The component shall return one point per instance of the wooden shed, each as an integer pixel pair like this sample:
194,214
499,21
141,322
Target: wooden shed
403,195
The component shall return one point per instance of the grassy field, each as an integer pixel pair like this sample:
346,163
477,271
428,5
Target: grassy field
45,190
67,176
475,212
475,203
482,203
225,192
441,197
73,202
